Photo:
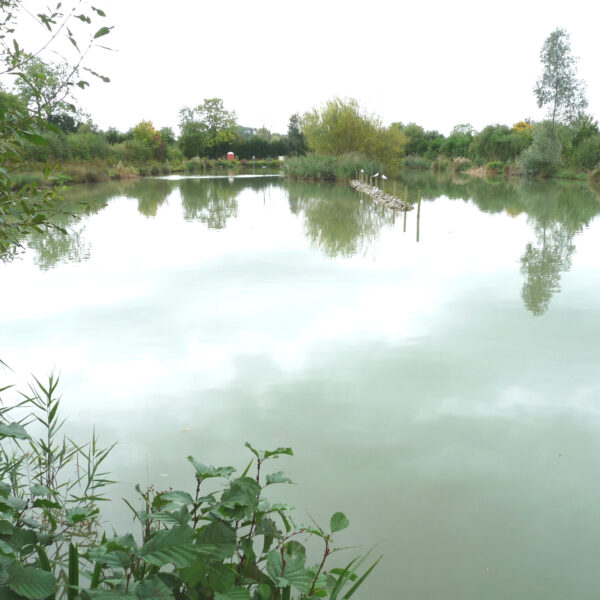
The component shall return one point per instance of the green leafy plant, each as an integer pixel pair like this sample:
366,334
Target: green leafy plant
50,487
232,544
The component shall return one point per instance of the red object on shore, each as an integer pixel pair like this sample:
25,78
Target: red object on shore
230,156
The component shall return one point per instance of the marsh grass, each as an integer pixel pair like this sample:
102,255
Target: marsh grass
330,168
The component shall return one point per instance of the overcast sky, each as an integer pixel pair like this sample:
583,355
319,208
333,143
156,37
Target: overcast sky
436,63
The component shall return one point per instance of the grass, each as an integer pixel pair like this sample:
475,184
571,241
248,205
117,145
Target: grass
416,162
330,168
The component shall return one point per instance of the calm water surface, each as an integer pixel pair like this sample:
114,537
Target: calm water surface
443,393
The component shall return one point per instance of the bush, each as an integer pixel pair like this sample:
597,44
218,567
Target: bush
595,175
460,164
195,164
194,544
416,162
441,163
494,167
329,168
587,153
543,157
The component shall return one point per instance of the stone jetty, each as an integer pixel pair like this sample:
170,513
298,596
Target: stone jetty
380,196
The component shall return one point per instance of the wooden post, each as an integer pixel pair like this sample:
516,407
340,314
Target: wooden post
418,214
405,205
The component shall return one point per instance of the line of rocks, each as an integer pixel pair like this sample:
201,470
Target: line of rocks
380,196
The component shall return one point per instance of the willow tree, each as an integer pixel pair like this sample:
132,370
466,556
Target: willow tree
558,88
341,127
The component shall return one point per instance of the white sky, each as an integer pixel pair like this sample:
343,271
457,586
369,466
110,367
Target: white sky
436,63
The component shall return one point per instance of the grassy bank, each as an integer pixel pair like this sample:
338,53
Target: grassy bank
93,171
330,168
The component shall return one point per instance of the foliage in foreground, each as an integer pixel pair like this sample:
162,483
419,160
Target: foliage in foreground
233,544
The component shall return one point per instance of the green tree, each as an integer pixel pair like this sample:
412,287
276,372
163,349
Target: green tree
458,143
296,140
32,209
499,142
144,133
205,127
45,87
558,88
543,157
342,127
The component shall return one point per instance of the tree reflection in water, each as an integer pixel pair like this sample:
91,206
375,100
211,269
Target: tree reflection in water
337,220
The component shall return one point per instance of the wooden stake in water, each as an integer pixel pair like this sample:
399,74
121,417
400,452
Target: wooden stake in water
418,214
405,205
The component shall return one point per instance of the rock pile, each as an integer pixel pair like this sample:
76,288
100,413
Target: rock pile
380,196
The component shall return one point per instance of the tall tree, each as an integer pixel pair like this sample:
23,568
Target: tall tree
558,88
341,126
296,141
206,126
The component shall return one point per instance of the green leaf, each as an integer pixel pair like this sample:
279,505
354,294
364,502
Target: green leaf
7,549
180,497
180,517
278,451
5,489
153,588
43,560
206,472
32,583
16,503
5,527
278,477
238,593
294,573
221,577
338,522
264,591
110,595
122,542
13,430
171,546
221,536
264,454
79,514
43,503
34,138
102,31
40,490
240,499
73,575
353,589
31,523
116,559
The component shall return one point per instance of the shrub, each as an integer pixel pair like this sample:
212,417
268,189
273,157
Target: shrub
543,157
193,545
494,167
329,168
416,162
460,164
587,153
195,164
441,163
594,175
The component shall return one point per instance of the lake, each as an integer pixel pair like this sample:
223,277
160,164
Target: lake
438,381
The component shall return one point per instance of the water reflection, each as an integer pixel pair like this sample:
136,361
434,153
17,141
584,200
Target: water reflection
341,223
210,201
556,212
337,220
